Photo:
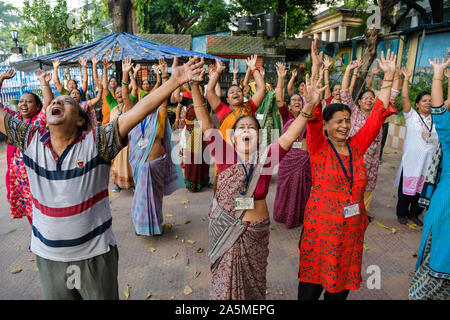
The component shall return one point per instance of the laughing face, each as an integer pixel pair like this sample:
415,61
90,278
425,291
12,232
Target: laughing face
296,104
336,94
338,127
72,84
424,105
145,85
28,106
235,96
246,136
64,111
367,101
118,93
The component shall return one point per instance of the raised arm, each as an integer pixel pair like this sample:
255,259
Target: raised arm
56,64
382,107
327,64
211,95
348,71
290,86
279,90
354,77
106,67
8,74
374,72
127,66
44,79
201,112
152,101
437,92
312,97
235,81
94,71
165,77
447,74
258,96
84,84
158,77
406,102
93,102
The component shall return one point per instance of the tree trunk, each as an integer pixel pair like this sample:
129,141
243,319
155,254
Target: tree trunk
371,44
120,11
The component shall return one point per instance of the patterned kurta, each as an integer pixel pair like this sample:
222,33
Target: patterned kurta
372,155
19,187
332,245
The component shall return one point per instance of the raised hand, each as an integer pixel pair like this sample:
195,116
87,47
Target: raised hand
354,64
94,61
155,68
262,72
327,62
438,66
189,71
251,62
82,62
8,74
220,67
44,76
163,66
387,63
127,65
235,70
294,73
56,63
447,73
375,70
315,55
106,63
312,91
281,70
406,73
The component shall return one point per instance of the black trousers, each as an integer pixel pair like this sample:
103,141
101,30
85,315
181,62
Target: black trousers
407,206
311,291
385,129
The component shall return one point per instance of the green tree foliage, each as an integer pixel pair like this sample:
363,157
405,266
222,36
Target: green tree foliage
8,21
175,16
58,25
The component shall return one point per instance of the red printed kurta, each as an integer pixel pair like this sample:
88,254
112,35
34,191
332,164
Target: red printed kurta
331,245
19,195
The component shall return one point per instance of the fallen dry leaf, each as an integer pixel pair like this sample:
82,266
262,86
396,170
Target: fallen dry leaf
11,231
199,250
126,293
204,218
281,292
169,215
412,226
394,230
187,262
185,201
196,275
167,225
111,194
16,270
152,250
182,240
149,295
187,222
382,225
270,227
187,290
172,298
386,152
35,269
175,255
365,247
185,207
176,236
267,292
191,241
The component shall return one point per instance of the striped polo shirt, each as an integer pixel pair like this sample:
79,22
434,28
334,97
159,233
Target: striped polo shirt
71,212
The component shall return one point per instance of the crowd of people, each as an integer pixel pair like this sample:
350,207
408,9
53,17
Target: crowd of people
328,151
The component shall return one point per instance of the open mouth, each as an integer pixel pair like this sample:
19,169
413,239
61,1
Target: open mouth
24,109
57,111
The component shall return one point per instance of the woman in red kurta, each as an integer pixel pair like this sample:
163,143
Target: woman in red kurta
335,218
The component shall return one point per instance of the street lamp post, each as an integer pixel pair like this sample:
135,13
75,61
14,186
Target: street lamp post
15,38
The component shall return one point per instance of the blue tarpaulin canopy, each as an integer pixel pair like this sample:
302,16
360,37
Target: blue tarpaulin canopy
115,47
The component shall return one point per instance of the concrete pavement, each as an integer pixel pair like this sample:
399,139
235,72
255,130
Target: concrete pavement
177,262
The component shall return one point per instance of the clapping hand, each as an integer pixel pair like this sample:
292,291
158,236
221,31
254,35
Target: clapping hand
8,74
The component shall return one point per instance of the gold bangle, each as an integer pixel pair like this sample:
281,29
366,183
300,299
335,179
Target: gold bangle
164,76
306,115
199,106
386,86
438,79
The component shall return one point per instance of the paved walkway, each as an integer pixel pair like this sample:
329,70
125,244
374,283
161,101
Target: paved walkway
178,261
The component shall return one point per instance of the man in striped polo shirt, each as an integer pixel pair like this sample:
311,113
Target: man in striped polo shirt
68,170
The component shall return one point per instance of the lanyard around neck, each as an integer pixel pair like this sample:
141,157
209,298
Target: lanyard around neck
240,112
143,122
424,122
350,179
248,174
